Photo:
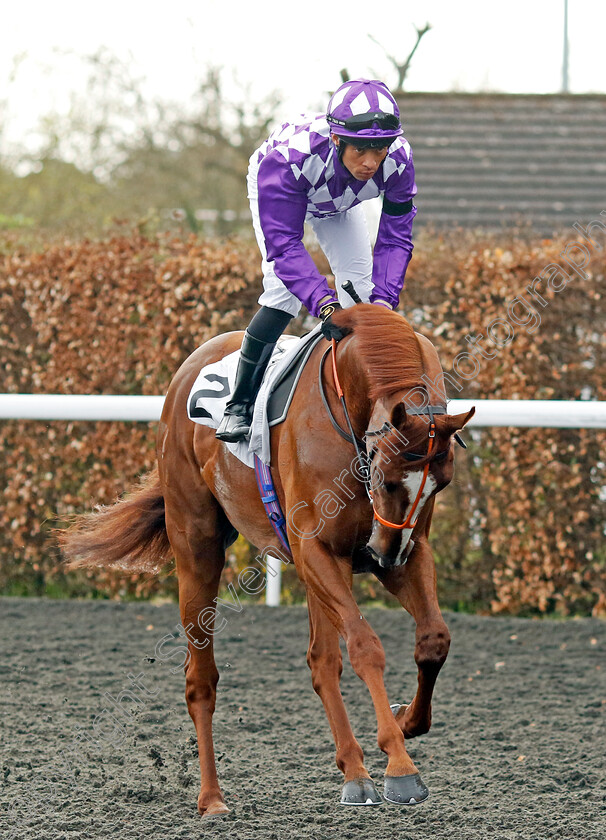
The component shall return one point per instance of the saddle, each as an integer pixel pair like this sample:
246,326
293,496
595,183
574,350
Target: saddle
212,389
283,389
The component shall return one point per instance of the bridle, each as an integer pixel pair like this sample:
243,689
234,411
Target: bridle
365,460
408,523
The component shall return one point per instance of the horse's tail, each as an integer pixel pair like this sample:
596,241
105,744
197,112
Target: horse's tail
129,535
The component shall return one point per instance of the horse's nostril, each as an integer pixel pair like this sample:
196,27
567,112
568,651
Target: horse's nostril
384,562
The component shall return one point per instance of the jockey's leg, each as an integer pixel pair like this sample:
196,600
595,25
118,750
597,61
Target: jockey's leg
278,306
259,341
345,240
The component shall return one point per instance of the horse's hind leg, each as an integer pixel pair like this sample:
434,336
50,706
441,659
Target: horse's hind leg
414,585
326,665
197,539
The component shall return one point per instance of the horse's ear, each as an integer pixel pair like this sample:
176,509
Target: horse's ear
398,415
454,422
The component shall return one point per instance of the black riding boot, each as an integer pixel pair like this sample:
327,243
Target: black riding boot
254,357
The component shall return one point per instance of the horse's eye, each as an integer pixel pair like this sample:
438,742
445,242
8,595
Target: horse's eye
390,486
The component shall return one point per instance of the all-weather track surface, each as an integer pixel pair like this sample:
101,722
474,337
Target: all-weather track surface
517,749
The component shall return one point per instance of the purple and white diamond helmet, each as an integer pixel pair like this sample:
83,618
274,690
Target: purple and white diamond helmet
364,109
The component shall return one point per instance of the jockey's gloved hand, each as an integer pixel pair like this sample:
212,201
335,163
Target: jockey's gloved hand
330,330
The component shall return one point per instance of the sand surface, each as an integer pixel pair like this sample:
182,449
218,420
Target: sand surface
517,749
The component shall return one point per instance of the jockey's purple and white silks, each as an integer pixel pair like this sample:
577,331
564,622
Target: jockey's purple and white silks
296,176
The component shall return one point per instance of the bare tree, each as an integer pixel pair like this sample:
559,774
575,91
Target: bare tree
238,126
119,153
402,68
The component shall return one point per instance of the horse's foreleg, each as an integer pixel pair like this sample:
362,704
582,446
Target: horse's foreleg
414,585
326,577
326,665
199,564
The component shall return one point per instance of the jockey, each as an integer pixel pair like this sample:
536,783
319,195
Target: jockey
318,170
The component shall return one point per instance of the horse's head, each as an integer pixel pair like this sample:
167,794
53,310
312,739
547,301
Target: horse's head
411,459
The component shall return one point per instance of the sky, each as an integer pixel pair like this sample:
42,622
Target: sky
295,47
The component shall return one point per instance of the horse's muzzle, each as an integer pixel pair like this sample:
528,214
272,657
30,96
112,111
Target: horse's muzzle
391,562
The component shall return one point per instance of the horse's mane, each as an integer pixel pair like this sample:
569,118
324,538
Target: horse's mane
387,346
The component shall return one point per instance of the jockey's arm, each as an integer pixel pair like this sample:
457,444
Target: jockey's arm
393,248
282,209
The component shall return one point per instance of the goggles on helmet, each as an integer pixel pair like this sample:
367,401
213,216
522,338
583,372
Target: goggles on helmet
361,142
359,122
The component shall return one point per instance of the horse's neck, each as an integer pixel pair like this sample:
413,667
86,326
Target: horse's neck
354,382
366,414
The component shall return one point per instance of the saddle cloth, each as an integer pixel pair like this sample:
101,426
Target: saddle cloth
214,384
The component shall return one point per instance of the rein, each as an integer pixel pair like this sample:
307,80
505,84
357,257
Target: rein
351,437
359,445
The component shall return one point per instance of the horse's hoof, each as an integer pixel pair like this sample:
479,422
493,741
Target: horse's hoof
360,792
214,809
395,708
405,790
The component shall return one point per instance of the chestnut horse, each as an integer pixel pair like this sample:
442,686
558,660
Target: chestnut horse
200,496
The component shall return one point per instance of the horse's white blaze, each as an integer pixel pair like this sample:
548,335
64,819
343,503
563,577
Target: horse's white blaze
406,534
412,482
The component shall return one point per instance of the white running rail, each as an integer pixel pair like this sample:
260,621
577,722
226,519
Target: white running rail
550,414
